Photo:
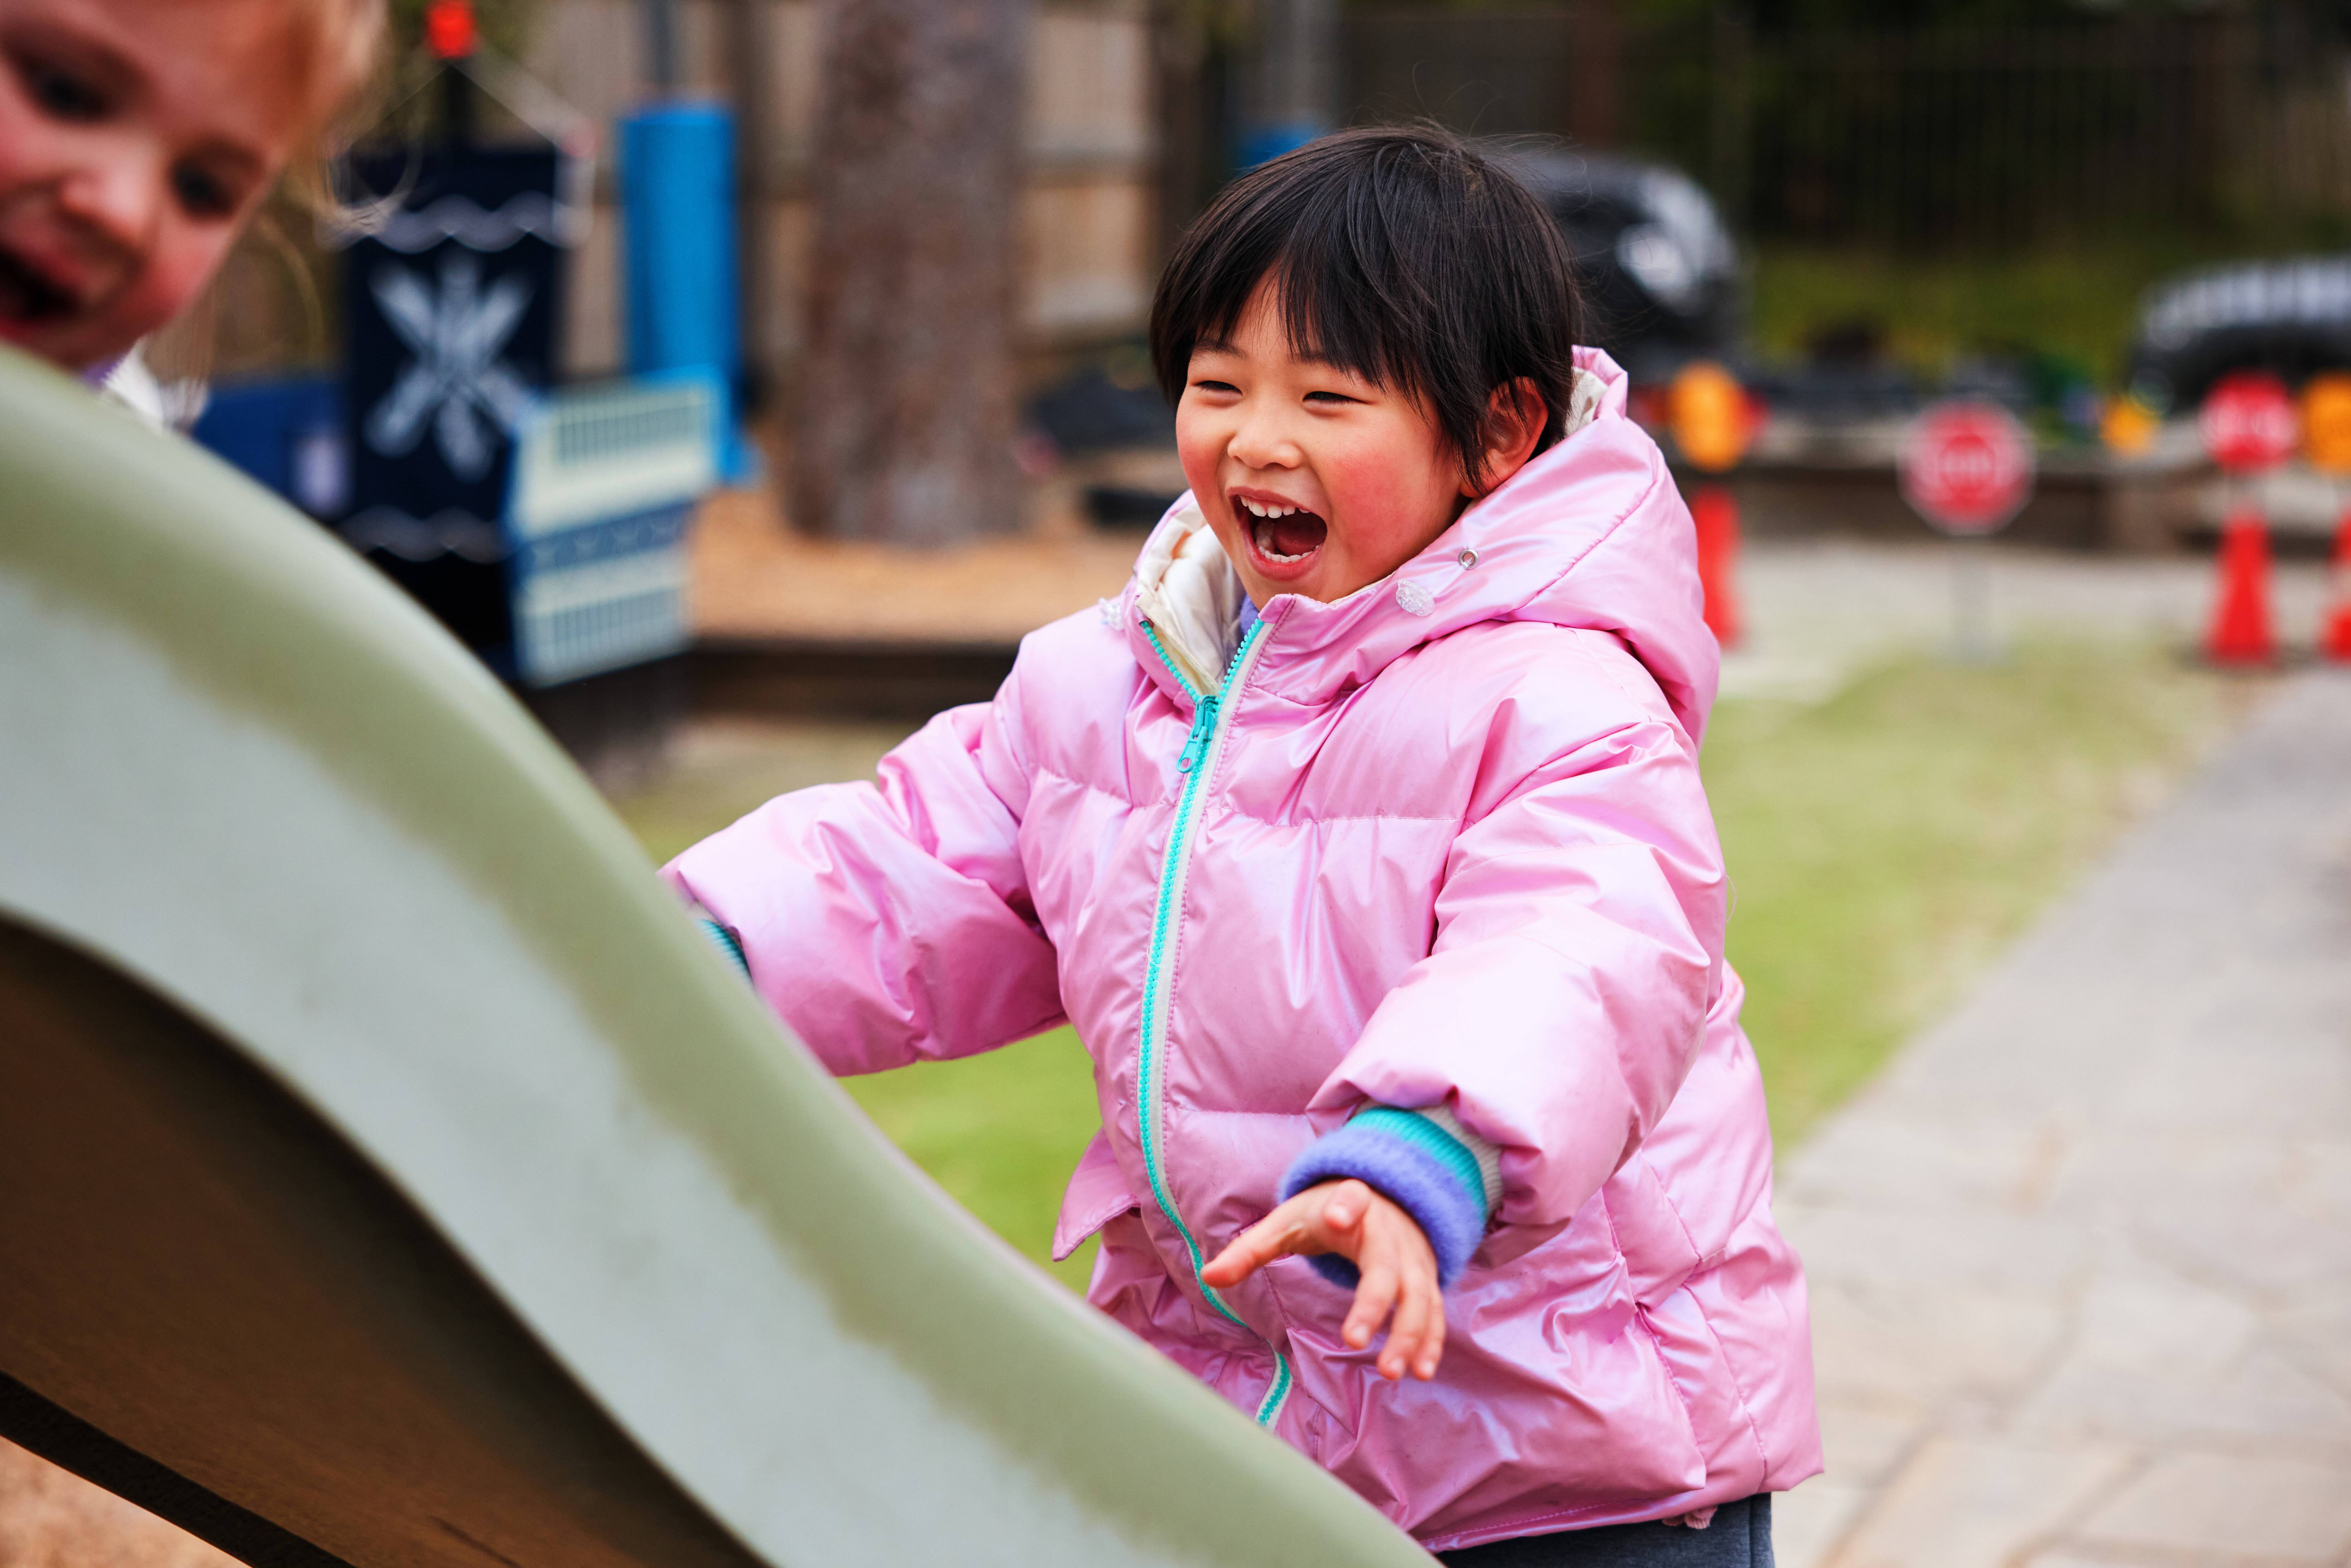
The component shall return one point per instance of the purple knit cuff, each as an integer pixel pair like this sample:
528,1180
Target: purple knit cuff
1448,1213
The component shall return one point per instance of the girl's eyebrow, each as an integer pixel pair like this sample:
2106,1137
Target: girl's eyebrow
79,46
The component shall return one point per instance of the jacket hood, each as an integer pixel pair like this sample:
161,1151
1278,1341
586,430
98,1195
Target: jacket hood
1591,535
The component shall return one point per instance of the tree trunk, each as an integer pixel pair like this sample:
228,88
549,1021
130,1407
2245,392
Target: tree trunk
907,395
751,82
1180,68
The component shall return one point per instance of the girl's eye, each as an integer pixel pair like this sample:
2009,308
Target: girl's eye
61,93
1216,386
1328,399
201,195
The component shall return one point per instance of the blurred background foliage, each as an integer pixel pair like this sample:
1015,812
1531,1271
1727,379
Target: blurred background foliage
2074,303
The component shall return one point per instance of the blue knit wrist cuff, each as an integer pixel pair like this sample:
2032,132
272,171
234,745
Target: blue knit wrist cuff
1417,1165
726,941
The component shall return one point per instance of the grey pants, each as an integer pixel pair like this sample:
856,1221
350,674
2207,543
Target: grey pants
1739,1537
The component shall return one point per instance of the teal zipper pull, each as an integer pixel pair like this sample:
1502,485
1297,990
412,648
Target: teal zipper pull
1196,747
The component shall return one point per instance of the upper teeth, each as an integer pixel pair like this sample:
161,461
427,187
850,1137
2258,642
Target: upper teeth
1264,509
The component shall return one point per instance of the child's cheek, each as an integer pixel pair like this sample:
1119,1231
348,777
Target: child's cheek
1393,500
1199,447
168,285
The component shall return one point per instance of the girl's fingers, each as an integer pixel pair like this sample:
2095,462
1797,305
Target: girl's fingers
1320,1220
1432,1339
1399,1274
1292,1227
1251,1251
1343,1208
1416,1340
1374,1294
1401,1353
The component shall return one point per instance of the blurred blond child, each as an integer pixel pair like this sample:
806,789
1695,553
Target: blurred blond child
137,138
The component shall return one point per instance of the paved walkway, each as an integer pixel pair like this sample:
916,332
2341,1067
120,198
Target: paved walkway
2081,1259
1819,611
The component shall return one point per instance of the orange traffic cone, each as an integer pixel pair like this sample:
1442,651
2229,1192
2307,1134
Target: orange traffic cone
2334,639
2242,632
1716,512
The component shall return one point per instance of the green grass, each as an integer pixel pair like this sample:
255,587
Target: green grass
724,769
1887,844
1002,1131
1884,846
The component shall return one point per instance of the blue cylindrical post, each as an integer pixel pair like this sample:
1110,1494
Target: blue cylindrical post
1287,87
677,200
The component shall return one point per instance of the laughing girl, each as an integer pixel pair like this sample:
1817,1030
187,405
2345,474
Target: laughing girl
1363,841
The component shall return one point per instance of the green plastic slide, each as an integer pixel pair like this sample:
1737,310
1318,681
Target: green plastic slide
389,1174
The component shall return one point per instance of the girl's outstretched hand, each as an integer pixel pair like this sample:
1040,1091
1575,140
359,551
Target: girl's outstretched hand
1398,1269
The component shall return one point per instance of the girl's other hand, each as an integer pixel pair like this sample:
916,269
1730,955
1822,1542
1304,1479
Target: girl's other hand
1398,1269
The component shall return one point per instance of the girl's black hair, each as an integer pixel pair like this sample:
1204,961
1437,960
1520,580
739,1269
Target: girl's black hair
1399,255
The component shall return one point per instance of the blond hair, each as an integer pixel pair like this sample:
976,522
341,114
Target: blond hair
340,70
343,53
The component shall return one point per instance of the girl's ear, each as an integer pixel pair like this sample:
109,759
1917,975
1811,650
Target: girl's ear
1515,417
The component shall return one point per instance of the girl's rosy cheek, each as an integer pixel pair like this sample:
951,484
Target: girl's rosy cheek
174,277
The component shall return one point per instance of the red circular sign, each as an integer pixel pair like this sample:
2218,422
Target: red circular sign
1967,467
2248,421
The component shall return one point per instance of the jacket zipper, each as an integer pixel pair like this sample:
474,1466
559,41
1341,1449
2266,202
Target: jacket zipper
1201,750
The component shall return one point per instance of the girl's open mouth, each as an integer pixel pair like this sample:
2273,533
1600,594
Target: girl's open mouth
1283,535
26,297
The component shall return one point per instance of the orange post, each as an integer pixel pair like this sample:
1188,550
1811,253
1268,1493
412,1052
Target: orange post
2326,443
1712,420
2241,629
1715,510
2335,638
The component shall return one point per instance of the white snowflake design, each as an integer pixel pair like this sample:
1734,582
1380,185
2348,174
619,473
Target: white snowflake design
457,383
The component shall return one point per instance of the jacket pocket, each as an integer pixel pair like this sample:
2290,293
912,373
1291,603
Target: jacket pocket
1098,1193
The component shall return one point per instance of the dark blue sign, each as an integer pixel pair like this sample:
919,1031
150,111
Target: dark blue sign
451,307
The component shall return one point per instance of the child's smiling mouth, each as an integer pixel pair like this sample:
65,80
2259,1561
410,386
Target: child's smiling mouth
28,296
1281,534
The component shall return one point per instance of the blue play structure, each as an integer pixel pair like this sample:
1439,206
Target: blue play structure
542,521
677,201
589,553
1263,143
605,482
286,431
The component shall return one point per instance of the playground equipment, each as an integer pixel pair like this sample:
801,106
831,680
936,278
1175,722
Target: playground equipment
389,1174
605,482
677,233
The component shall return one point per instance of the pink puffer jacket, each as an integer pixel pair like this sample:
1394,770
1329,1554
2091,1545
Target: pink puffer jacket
1442,844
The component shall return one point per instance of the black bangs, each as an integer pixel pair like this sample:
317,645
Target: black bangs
1401,255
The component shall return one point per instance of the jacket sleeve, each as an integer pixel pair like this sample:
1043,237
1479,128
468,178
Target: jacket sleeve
1443,1175
888,922
1577,949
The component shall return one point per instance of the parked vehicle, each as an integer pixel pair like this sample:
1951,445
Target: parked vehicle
1660,273
2292,317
